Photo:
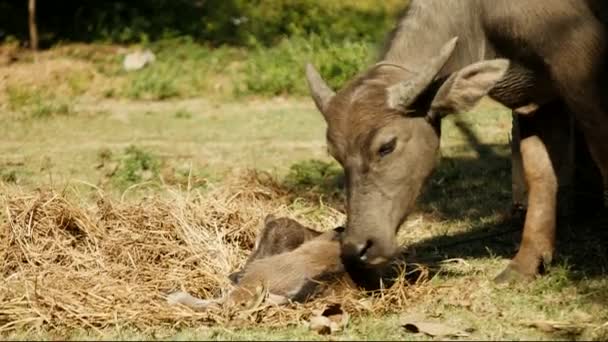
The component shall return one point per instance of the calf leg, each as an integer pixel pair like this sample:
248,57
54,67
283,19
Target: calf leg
190,301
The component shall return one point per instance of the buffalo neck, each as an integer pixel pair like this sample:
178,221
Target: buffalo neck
427,25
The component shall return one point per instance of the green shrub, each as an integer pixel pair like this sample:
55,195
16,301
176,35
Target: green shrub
182,69
218,22
154,83
267,22
14,174
280,69
136,166
273,38
315,175
36,103
183,114
8,176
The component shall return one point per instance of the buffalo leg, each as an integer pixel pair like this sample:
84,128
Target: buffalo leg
597,141
544,145
588,181
518,186
594,127
580,72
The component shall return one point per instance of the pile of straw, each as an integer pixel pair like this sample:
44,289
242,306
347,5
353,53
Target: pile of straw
101,264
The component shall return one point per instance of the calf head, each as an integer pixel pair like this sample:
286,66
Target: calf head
384,129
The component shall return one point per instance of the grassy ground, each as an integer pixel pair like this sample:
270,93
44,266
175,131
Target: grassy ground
178,137
116,142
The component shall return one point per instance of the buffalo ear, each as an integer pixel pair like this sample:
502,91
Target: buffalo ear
464,88
403,94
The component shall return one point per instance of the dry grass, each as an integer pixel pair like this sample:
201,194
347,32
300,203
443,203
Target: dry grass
67,265
53,78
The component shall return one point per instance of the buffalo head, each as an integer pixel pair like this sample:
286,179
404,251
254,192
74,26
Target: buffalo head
383,128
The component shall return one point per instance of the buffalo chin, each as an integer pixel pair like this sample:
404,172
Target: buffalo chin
367,276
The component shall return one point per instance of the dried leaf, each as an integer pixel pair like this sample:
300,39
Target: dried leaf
321,325
418,324
329,319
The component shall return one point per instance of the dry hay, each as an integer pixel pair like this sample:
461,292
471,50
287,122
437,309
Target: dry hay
111,263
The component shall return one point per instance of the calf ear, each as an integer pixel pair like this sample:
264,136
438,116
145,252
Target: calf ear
235,277
464,88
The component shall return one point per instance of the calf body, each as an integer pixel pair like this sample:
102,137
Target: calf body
290,261
279,235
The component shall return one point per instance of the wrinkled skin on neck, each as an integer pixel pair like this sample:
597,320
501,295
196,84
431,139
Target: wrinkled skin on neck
387,156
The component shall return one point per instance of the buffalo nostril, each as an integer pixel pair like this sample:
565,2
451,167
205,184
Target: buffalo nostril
363,251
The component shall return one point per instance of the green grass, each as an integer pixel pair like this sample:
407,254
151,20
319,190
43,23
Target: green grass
183,114
135,166
280,69
185,69
182,69
465,299
313,173
215,140
36,103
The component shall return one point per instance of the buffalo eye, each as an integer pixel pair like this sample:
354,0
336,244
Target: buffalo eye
387,148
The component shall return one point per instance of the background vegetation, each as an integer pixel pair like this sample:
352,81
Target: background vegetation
215,22
267,40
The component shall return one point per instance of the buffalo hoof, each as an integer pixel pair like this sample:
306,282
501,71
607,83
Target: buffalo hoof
511,274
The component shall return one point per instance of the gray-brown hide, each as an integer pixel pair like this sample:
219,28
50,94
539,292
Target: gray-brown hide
443,56
289,260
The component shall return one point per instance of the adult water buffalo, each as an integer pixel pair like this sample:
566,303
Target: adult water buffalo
444,56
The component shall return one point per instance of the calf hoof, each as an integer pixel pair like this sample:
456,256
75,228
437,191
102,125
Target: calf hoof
512,274
188,300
